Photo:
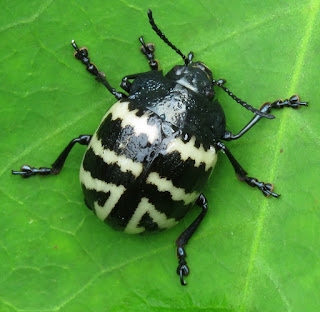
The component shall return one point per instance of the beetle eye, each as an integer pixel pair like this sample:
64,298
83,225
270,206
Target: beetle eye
210,94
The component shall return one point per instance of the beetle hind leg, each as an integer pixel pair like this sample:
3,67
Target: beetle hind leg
183,269
148,51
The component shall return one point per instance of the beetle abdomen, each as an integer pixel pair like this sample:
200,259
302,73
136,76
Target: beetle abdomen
139,173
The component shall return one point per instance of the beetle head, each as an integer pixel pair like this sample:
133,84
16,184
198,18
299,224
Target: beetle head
196,77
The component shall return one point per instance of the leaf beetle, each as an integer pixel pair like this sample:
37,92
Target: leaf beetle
155,148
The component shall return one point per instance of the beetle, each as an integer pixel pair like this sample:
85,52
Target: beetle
155,148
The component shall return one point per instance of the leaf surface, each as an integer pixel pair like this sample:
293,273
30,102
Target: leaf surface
251,253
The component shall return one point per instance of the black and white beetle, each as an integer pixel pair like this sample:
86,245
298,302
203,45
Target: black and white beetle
155,148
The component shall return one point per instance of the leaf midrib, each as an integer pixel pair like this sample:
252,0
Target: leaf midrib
314,9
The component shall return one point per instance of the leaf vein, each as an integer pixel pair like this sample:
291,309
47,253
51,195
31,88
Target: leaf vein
314,4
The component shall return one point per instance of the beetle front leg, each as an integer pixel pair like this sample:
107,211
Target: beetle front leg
126,84
265,188
183,269
148,51
293,102
27,171
82,55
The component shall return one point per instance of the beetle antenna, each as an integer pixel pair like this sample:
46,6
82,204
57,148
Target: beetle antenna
165,39
220,83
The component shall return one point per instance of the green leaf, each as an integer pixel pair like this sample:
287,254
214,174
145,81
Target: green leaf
251,253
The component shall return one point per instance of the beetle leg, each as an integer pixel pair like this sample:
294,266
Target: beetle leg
126,84
27,171
265,188
183,239
82,55
148,51
293,102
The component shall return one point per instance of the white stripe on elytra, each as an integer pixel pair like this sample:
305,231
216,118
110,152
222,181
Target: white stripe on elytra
110,157
165,185
157,217
189,150
120,110
100,186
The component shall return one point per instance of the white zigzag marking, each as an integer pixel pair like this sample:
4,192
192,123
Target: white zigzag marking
158,217
116,192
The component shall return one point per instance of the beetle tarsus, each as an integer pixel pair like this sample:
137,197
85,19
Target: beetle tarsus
27,171
293,102
265,188
148,51
182,271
